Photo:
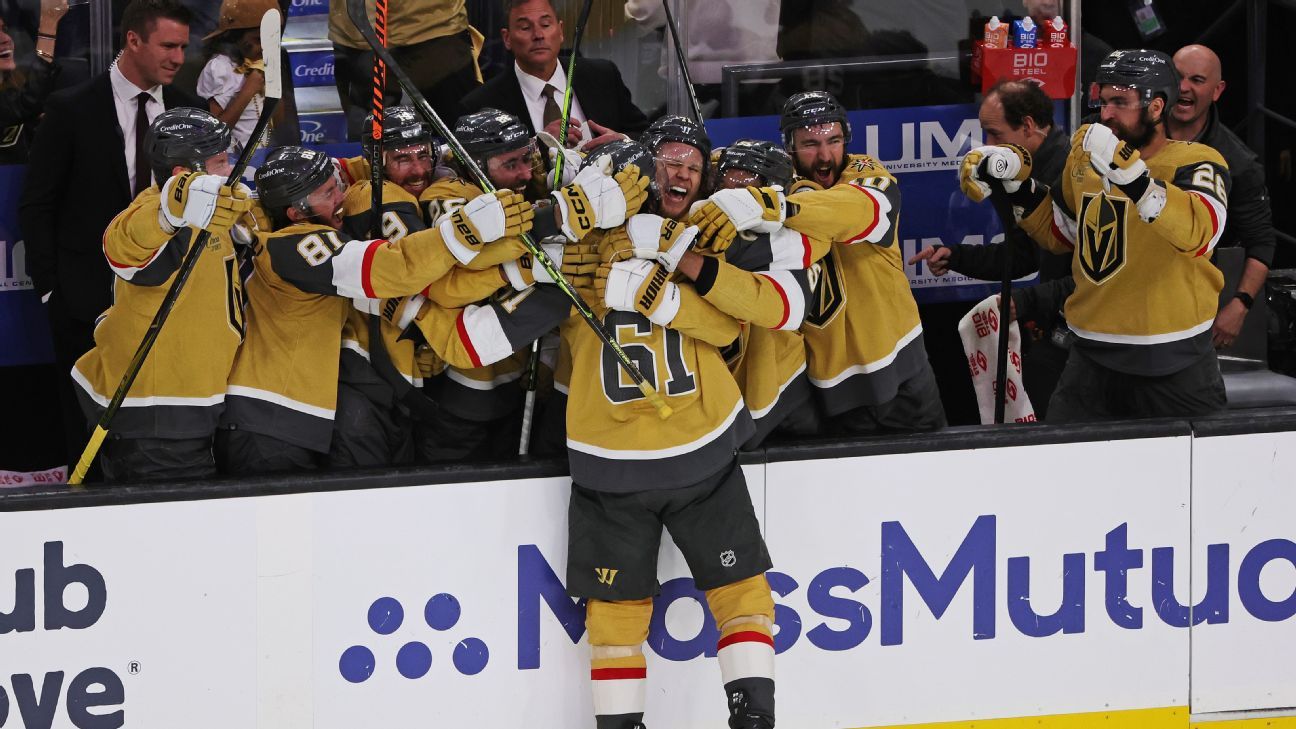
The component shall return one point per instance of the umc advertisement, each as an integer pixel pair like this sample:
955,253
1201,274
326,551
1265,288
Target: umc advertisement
1073,595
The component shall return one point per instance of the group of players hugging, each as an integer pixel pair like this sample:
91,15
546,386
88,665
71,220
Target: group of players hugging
758,288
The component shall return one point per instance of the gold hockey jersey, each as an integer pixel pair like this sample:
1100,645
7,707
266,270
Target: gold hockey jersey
615,439
180,389
401,216
1146,293
862,332
284,382
476,393
762,282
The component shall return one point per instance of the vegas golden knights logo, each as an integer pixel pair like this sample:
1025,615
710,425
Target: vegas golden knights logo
733,351
1102,236
605,575
828,293
9,135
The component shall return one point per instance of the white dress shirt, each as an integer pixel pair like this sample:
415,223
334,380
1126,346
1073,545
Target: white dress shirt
533,93
124,93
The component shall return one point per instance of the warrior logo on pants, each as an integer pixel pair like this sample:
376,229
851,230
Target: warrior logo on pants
1102,236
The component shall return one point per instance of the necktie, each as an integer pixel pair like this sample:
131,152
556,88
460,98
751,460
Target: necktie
552,112
143,170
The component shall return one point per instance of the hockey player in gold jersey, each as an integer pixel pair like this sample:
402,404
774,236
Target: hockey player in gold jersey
634,473
477,407
1142,213
864,343
762,281
379,388
165,425
380,371
282,396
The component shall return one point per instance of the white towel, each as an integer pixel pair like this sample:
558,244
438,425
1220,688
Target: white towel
979,331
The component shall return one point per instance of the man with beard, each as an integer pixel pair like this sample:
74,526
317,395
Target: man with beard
477,406
866,357
762,281
1195,118
376,380
1141,212
474,402
634,474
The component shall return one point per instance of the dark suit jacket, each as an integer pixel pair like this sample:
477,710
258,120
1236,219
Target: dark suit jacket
75,185
602,94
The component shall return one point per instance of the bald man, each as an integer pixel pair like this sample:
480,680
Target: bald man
1194,118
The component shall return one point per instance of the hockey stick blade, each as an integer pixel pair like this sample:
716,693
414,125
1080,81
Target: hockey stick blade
356,12
568,94
683,61
270,45
270,29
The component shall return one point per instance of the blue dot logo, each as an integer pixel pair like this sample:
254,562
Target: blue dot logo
414,659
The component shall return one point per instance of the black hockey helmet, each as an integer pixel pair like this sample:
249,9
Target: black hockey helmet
1150,73
186,137
625,152
677,129
766,159
290,174
402,127
489,132
809,109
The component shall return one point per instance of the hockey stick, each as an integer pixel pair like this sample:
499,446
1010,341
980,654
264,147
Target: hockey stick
568,93
1003,208
273,92
356,11
683,62
528,407
376,133
533,361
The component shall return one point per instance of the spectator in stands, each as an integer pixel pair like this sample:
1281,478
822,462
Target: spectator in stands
92,164
1018,112
233,80
718,33
23,91
432,42
532,87
1195,118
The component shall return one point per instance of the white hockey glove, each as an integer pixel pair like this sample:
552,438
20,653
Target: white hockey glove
571,160
400,312
762,209
655,238
729,212
637,285
1116,161
596,200
484,219
202,201
1119,163
1008,163
524,271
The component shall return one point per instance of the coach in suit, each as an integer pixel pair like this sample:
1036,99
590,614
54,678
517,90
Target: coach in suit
87,163
532,87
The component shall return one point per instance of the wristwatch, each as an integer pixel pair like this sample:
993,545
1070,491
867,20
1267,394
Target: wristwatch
1246,299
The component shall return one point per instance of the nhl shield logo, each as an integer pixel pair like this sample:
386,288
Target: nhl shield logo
1102,236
